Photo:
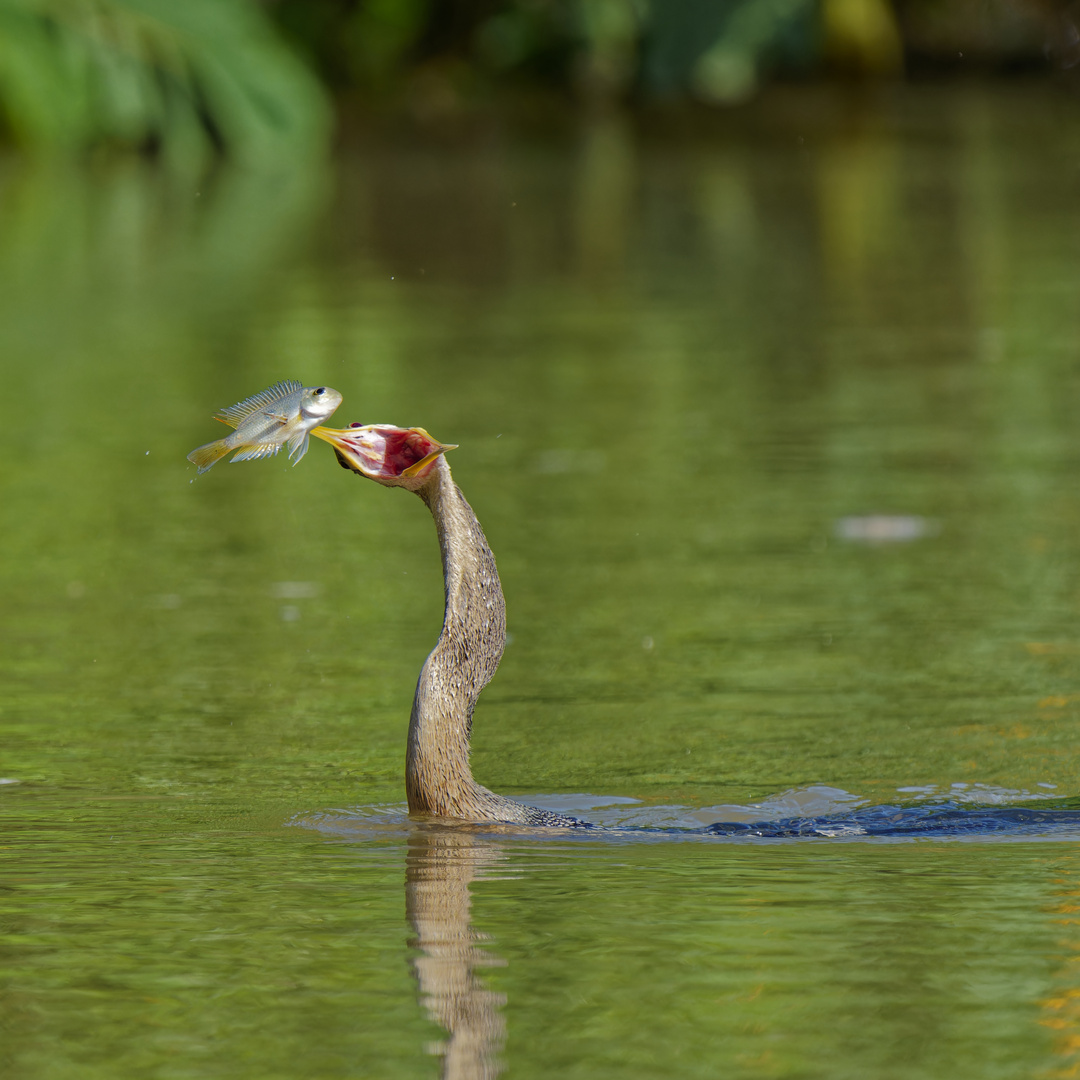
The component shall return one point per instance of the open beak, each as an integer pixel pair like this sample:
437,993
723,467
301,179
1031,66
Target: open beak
383,452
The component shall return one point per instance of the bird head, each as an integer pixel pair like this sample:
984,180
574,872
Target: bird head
393,456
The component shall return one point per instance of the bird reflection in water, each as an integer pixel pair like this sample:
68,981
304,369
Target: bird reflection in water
440,867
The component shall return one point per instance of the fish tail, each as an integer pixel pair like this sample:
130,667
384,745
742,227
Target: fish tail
206,456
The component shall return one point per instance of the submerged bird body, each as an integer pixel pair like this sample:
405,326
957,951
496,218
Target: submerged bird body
282,414
438,778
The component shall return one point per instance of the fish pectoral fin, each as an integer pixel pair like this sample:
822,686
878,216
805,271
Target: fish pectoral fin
279,417
298,447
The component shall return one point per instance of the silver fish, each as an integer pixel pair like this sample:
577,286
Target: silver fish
282,413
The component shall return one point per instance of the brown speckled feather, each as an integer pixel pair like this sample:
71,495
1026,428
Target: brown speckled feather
438,778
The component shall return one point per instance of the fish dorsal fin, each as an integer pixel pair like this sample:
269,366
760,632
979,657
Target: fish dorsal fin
236,414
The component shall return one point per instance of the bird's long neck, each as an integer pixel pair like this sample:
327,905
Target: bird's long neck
437,774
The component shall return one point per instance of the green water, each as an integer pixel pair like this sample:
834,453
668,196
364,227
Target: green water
682,371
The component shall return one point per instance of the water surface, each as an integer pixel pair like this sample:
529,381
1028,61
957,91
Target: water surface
773,433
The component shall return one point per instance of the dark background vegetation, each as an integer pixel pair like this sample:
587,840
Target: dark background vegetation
273,80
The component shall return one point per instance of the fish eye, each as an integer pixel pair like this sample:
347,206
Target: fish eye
320,390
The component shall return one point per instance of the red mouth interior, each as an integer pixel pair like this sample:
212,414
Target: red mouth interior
403,448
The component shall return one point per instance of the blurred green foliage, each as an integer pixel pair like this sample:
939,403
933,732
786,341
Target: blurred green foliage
194,78
187,79
717,51
600,49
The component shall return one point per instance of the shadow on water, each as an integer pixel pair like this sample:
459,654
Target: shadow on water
450,955
440,867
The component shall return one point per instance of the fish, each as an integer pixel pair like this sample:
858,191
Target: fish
266,421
